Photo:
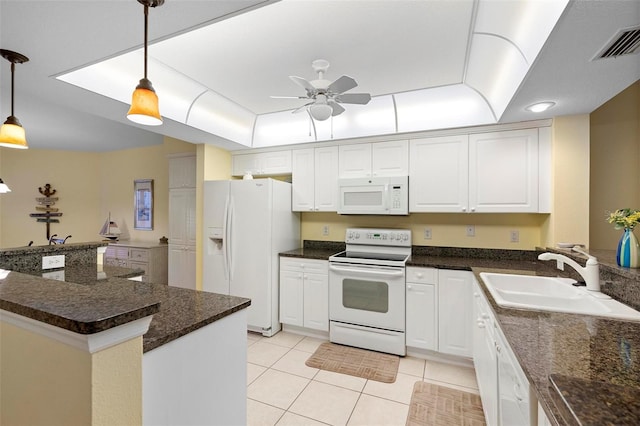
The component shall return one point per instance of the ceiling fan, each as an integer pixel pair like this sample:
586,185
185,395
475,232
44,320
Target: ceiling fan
326,96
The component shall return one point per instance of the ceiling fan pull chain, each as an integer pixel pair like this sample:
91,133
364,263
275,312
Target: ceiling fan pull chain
332,127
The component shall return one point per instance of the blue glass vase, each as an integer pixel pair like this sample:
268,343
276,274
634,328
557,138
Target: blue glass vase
628,255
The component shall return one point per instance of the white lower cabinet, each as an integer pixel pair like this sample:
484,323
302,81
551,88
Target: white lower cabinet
504,389
422,308
182,266
304,293
455,312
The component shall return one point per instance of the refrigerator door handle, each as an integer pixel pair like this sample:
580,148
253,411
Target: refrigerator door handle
225,242
229,238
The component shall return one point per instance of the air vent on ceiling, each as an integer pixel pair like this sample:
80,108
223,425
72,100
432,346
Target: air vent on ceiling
625,42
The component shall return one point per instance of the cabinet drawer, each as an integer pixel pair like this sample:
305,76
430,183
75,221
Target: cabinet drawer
139,265
138,254
311,266
422,275
122,252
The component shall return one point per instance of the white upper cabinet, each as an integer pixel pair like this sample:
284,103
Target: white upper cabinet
182,172
497,172
315,179
439,174
262,163
503,171
374,159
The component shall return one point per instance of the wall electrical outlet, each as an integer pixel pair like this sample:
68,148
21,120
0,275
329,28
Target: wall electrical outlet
514,236
51,262
427,233
325,230
471,230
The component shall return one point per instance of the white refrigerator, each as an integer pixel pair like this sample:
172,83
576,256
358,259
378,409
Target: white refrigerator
247,223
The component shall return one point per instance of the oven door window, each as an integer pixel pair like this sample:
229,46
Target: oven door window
372,296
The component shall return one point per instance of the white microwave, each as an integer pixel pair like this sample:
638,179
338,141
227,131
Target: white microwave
374,195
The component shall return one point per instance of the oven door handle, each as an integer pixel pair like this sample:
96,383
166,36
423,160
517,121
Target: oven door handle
368,271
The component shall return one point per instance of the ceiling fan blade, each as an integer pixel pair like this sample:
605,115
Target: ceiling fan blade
303,83
354,98
302,108
337,108
288,97
342,84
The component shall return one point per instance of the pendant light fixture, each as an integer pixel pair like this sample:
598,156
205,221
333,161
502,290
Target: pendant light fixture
144,102
11,133
3,187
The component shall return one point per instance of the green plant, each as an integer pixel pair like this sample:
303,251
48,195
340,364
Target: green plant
624,218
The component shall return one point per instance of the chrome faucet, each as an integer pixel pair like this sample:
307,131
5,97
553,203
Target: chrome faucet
51,240
590,273
66,238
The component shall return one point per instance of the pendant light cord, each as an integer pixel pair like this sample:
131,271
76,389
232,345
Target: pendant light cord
146,28
13,69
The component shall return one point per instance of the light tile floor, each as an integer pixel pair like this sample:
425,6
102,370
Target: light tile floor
282,390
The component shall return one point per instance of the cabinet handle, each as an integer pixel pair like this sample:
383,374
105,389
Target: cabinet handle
473,209
476,294
485,316
498,348
464,209
408,287
419,275
481,324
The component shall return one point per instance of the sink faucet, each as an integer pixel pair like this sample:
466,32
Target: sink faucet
51,240
66,238
590,273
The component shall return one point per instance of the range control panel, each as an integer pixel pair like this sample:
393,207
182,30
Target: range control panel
379,237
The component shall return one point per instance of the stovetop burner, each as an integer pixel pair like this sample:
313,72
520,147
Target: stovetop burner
385,247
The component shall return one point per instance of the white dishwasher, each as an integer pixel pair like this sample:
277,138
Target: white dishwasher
515,407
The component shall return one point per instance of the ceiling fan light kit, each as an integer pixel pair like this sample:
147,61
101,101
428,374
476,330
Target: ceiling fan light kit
145,107
326,96
12,134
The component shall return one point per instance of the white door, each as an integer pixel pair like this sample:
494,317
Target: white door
421,316
355,160
302,180
390,158
455,312
249,248
316,301
291,298
326,179
503,171
215,273
439,174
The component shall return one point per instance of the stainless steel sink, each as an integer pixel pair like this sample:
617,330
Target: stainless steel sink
553,294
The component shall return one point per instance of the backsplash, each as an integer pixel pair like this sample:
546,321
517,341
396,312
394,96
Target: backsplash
30,258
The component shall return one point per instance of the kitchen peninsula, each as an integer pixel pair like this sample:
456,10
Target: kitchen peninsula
86,348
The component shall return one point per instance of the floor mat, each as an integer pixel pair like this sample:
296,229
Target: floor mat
355,362
435,405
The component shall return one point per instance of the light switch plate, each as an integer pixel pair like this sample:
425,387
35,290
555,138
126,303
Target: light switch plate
52,262
471,230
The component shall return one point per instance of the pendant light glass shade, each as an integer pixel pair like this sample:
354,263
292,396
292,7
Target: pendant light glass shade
144,101
3,187
12,133
144,105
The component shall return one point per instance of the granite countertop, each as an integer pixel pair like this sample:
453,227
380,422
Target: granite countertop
100,297
583,369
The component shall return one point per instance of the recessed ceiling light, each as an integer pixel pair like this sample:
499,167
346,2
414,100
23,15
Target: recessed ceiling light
540,106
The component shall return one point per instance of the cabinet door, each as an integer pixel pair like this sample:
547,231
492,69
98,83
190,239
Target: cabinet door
316,301
182,216
439,174
244,163
182,266
455,312
291,298
421,316
302,180
355,160
182,172
326,179
275,163
503,171
390,158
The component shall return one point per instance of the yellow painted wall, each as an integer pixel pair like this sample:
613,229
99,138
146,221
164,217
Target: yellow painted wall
45,382
448,230
615,164
569,221
89,185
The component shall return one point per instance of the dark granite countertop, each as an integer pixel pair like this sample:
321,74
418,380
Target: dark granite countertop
94,298
583,369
